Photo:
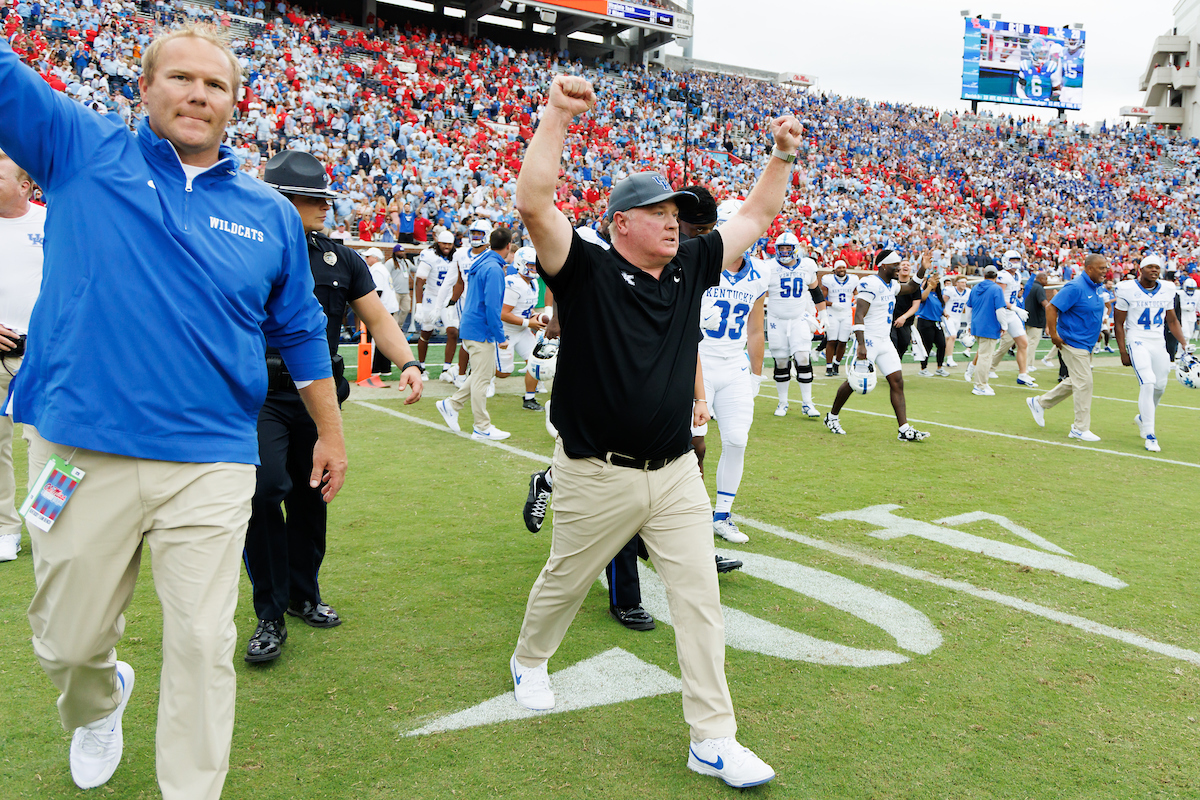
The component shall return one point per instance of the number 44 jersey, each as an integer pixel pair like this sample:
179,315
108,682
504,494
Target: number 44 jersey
732,299
1145,309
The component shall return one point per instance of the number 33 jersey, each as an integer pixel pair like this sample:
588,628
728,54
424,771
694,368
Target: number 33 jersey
1145,309
732,299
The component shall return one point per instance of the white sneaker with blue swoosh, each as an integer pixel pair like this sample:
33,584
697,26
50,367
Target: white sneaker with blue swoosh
531,685
731,762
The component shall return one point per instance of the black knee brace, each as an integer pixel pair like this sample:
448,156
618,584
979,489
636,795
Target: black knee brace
804,373
782,373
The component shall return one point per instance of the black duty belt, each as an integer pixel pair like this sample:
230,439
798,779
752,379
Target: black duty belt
650,464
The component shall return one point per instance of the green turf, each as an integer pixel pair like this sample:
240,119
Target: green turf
430,566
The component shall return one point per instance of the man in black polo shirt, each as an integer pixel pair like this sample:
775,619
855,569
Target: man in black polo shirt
623,391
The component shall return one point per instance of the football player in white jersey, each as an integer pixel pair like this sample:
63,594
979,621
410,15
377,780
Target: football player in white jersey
455,286
433,266
731,359
873,328
839,288
1188,307
795,301
1012,319
956,309
1143,307
520,325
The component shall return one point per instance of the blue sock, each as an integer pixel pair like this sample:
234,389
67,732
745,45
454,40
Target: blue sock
720,516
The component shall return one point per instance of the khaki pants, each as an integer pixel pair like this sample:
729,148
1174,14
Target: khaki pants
1035,338
9,521
485,363
405,302
1078,386
598,507
985,350
193,517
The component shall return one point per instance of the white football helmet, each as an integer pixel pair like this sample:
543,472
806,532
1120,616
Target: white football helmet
727,209
478,233
967,339
543,361
525,262
861,376
1187,371
785,247
1009,256
1189,286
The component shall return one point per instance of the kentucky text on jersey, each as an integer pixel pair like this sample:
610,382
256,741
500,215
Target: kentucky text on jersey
235,229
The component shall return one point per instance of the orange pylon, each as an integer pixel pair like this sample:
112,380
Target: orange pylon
366,357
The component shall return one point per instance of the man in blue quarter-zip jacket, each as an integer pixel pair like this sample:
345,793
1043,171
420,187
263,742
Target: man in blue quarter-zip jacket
154,232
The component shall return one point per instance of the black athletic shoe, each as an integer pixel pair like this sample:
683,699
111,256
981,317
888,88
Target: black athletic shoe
531,404
536,501
318,616
635,618
727,564
267,642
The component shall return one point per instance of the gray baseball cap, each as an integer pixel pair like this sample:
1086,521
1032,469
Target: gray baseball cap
646,189
990,272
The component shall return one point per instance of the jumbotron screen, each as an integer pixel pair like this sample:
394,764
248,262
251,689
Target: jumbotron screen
1029,65
649,15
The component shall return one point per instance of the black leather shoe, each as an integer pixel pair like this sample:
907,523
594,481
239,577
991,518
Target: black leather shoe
635,618
267,642
318,616
727,564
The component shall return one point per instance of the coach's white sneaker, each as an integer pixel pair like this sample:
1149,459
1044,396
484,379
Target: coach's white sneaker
992,374
1047,361
1031,368
728,531
492,434
942,372
1035,408
809,411
1152,444
96,747
969,373
531,685
1083,436
10,545
491,389
448,414
1026,380
983,391
731,762
924,373
781,409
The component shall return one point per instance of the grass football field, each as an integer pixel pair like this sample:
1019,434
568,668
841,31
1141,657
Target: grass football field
1044,645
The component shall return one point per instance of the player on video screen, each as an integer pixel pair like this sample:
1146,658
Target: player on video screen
1040,74
1072,69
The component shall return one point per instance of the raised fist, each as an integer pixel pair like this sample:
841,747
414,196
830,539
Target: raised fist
571,94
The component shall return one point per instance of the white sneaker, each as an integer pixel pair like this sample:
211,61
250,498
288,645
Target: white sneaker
460,381
1048,362
924,373
448,374
728,531
1026,380
492,434
942,372
448,414
809,411
969,373
729,761
1152,444
96,748
781,409
1141,430
531,685
1035,408
424,376
10,545
1083,436
541,387
992,374
950,363
834,424
983,391
491,389
1031,368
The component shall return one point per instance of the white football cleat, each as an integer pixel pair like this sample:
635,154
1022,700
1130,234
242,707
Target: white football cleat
1152,444
727,530
731,762
531,685
834,424
781,409
809,411
10,545
96,748
1026,380
950,363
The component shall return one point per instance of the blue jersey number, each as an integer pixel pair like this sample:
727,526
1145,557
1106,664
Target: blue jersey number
891,308
791,287
734,328
1145,321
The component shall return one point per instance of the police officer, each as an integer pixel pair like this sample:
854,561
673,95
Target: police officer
283,557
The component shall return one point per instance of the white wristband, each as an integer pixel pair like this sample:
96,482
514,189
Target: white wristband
525,322
856,328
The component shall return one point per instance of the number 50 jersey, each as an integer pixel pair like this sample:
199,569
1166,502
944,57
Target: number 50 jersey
732,298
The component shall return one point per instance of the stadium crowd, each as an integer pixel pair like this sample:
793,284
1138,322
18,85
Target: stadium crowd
423,129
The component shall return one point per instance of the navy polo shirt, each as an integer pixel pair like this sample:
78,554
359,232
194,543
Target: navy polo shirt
1080,312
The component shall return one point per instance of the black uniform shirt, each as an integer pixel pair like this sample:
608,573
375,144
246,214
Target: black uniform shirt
627,361
1033,305
341,276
